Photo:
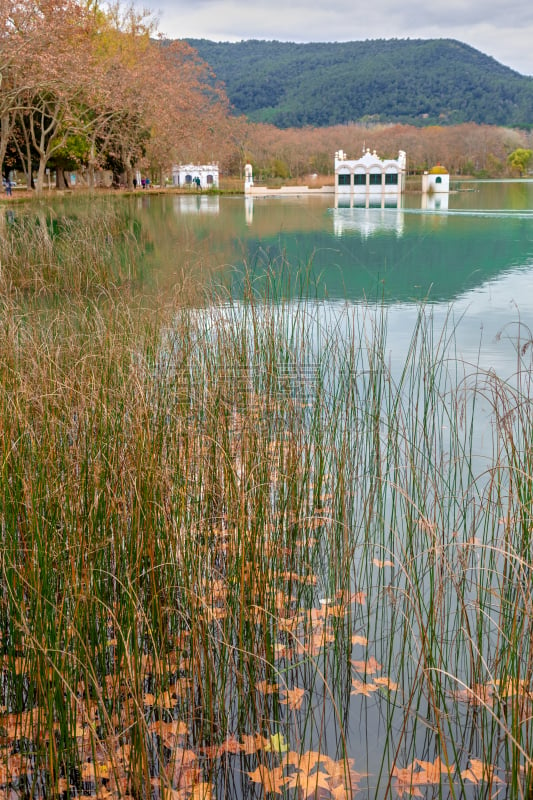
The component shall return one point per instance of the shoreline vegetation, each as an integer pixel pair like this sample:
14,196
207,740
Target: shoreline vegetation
230,186
239,555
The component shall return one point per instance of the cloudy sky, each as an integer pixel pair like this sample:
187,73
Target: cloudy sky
500,29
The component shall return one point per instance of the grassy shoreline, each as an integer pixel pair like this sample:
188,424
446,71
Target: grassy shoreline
228,186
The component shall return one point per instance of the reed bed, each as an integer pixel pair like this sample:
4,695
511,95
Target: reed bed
49,252
242,556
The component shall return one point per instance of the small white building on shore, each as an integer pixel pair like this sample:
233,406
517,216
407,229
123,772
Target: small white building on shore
195,176
369,174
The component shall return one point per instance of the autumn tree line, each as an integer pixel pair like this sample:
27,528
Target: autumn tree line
83,86
467,149
86,87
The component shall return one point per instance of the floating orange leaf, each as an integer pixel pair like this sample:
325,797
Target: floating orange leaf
382,564
217,612
282,650
304,761
294,698
361,687
407,781
184,758
369,666
254,743
341,792
166,700
181,686
480,694
280,601
316,616
230,745
342,774
169,731
271,779
288,623
336,610
478,771
513,686
431,771
303,579
201,791
309,783
318,640
169,794
266,688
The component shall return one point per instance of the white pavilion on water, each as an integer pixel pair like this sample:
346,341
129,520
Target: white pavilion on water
369,174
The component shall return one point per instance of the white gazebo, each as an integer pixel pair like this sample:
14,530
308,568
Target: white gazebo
369,174
195,176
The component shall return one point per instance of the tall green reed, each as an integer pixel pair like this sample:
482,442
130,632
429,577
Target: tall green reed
205,509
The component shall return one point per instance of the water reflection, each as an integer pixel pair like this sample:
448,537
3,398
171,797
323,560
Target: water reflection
435,202
197,204
249,209
370,215
367,200
367,221
444,248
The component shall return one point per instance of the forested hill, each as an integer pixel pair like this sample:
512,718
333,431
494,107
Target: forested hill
413,81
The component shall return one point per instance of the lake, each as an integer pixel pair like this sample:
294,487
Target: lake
471,252
276,541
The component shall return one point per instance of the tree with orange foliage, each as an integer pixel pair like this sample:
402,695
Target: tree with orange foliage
71,69
50,73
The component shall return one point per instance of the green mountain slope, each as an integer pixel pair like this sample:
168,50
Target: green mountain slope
413,81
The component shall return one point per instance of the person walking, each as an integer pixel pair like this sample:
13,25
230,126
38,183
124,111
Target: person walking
8,186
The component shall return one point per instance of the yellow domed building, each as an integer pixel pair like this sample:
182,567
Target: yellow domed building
437,179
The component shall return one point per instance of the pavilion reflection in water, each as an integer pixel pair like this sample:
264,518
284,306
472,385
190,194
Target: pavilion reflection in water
197,204
368,214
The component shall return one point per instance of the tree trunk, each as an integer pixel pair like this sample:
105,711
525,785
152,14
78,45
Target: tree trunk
90,169
61,179
39,186
6,127
25,154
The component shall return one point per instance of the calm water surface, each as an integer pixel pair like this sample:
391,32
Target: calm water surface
469,254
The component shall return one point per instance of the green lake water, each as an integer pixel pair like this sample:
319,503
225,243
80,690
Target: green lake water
471,252
473,248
